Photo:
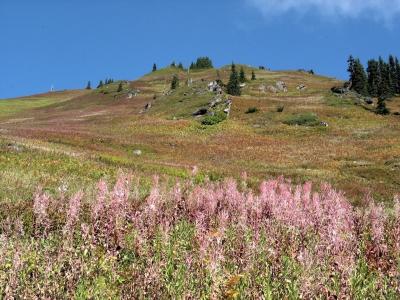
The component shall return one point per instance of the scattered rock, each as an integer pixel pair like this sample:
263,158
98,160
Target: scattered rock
14,147
213,86
137,152
215,102
339,90
262,88
242,85
301,87
272,89
146,108
281,86
200,112
325,124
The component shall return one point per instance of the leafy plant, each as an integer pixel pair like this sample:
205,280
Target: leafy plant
210,120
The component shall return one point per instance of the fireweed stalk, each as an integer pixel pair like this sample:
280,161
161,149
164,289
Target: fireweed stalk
203,241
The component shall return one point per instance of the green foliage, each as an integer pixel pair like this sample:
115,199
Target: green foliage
304,119
175,82
252,110
233,87
154,67
242,75
202,63
218,117
120,87
100,85
358,77
381,108
373,77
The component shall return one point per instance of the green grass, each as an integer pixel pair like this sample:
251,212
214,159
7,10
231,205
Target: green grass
12,107
305,119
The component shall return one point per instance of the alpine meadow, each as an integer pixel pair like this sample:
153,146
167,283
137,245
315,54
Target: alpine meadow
207,178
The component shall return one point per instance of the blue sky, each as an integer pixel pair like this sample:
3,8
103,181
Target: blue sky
66,43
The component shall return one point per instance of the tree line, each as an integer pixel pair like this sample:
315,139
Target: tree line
381,79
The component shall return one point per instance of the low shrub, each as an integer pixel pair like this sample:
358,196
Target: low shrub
252,110
280,108
210,120
305,119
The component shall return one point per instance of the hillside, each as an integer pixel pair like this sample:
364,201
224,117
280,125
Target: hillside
358,151
136,191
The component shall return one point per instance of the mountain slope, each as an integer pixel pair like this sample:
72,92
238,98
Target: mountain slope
359,150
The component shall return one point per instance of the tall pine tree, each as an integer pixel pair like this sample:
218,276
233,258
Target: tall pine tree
385,86
253,75
175,82
397,75
242,75
393,74
373,77
233,87
154,67
89,86
358,78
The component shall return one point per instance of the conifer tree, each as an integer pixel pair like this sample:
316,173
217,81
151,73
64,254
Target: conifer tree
253,75
385,86
101,84
180,66
397,75
119,87
373,77
154,67
173,64
358,78
381,108
89,86
242,75
175,82
393,74
233,87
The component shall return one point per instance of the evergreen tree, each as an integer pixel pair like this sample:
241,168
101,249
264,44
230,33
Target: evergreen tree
397,75
180,66
101,84
173,64
192,66
393,74
381,108
350,68
358,78
373,77
242,75
233,87
154,67
385,86
202,63
175,82
253,75
119,87
89,86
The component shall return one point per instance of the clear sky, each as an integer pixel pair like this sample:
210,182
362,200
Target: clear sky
65,43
